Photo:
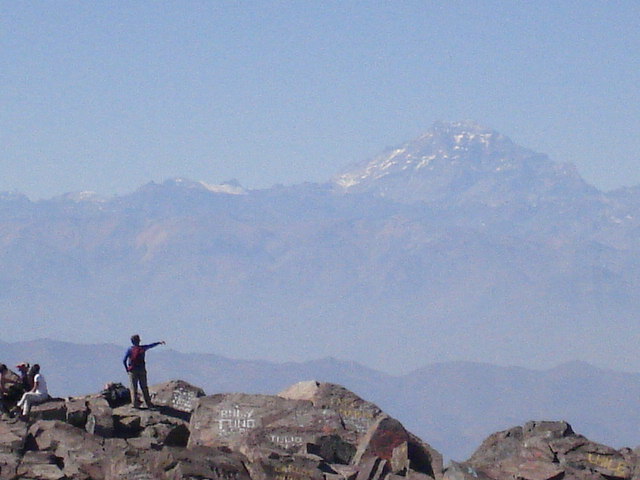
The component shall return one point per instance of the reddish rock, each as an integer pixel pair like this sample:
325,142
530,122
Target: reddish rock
383,437
387,439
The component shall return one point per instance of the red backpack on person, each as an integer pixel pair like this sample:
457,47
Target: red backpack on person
136,359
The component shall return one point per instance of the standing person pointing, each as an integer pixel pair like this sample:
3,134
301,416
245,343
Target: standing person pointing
135,365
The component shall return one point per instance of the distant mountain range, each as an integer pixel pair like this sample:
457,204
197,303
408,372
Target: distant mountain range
452,405
458,245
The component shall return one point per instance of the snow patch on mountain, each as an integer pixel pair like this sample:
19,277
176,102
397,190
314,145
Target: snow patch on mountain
227,188
230,187
84,196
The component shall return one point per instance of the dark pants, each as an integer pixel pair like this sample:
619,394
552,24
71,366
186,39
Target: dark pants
139,377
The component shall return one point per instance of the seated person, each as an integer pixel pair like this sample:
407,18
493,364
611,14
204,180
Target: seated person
37,394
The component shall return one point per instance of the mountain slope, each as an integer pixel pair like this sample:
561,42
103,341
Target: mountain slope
497,254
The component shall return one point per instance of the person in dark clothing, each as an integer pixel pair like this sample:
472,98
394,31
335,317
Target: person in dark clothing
10,389
134,363
25,378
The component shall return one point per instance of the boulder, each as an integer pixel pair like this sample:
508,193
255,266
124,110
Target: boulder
12,435
52,409
39,466
346,472
127,426
168,434
200,462
404,453
176,394
460,471
99,417
163,429
77,411
357,415
9,462
258,424
545,451
333,449
291,467
423,459
372,468
386,439
128,462
80,454
498,446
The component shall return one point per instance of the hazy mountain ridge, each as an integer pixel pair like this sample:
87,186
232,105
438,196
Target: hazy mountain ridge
308,271
454,404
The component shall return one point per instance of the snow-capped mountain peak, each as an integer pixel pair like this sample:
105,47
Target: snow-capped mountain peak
460,159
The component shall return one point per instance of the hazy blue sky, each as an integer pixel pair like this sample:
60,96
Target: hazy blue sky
107,96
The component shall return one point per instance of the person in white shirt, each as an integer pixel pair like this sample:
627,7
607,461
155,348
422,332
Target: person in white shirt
37,394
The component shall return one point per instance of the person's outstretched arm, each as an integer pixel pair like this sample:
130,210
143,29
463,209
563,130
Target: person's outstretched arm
151,345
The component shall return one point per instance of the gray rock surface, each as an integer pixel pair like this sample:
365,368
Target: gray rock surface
311,431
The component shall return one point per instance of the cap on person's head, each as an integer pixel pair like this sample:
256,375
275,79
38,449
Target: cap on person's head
22,365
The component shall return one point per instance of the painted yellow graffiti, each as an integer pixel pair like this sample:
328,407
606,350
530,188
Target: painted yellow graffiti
355,413
618,467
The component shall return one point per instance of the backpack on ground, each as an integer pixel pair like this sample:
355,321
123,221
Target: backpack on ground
116,394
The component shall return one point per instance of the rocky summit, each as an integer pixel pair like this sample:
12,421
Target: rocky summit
311,430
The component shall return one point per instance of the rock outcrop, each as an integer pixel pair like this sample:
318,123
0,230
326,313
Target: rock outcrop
545,451
312,430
